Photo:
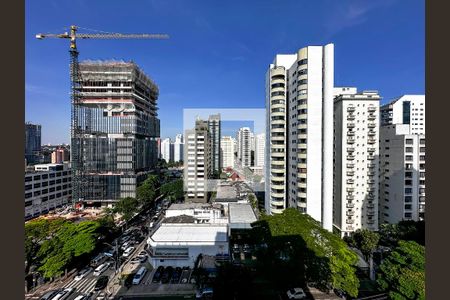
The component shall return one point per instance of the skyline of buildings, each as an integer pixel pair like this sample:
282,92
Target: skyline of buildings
294,153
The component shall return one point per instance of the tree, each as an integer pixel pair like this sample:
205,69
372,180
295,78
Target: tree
319,256
366,241
173,190
402,273
69,242
127,207
390,234
147,192
253,201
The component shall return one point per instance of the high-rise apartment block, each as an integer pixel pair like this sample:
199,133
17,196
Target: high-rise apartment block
299,104
118,120
260,146
197,161
356,124
227,151
167,150
402,161
407,109
32,142
214,126
178,148
244,146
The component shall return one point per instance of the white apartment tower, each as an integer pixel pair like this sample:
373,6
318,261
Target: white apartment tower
197,161
402,162
260,143
178,147
356,124
244,146
167,150
227,151
299,101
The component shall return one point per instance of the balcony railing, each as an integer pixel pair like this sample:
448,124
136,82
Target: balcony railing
350,157
350,108
350,221
350,173
350,181
350,141
350,197
350,149
371,141
350,125
350,213
350,205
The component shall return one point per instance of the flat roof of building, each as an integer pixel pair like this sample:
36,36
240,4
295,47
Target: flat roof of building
241,213
191,233
193,205
226,193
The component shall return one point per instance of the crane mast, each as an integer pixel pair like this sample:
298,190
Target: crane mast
77,132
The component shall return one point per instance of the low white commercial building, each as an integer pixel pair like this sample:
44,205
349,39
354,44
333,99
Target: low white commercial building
179,240
47,188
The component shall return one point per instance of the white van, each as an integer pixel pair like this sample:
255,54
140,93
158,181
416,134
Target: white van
100,269
139,275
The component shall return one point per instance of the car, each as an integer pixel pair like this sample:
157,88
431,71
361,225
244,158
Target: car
236,248
246,248
167,275
158,274
142,253
83,273
204,293
125,238
296,293
100,269
139,275
49,295
151,224
64,294
128,252
101,283
99,259
126,245
135,260
176,275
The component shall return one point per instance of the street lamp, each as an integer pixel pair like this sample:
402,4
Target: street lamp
116,253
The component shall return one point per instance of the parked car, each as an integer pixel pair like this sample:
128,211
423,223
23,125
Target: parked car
83,273
246,248
126,245
151,224
158,274
167,275
101,296
176,275
296,293
139,275
64,294
101,283
143,253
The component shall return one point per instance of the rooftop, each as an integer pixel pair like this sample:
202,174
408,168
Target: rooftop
241,213
191,233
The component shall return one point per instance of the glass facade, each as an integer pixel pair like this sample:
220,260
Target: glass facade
119,126
32,142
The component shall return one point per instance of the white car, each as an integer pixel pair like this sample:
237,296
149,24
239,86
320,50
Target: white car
83,273
128,252
296,293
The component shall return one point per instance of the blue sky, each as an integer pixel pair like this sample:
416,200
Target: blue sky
219,51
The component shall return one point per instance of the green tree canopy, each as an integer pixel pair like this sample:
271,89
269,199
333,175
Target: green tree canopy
127,207
147,192
70,241
390,234
366,241
173,190
321,256
402,273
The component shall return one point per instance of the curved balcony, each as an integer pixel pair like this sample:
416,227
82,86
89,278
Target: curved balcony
278,163
278,114
302,106
278,105
278,130
301,165
272,194
302,126
301,184
281,122
302,155
276,210
302,136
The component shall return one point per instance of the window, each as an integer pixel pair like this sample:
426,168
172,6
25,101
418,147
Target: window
408,199
408,157
408,190
408,149
408,141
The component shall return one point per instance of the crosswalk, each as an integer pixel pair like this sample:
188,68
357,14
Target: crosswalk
85,285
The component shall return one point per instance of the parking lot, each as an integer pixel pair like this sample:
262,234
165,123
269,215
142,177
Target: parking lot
148,287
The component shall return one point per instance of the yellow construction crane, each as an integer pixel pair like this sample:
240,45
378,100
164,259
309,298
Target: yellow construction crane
78,170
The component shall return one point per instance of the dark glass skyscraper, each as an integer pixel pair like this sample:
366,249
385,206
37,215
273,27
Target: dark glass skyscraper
32,142
118,116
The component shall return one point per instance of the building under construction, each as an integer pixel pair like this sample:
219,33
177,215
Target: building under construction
114,143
